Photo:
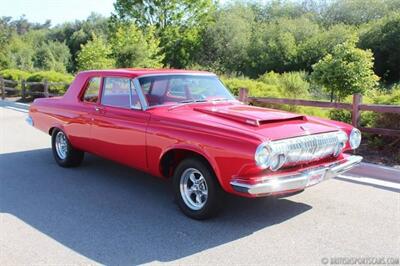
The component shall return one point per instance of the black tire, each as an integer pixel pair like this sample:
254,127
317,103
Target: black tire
213,201
72,158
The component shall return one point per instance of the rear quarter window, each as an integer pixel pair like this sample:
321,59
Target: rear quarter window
92,90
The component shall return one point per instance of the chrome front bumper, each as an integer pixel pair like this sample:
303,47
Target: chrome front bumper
298,180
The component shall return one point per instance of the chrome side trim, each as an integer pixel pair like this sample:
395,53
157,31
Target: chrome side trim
298,180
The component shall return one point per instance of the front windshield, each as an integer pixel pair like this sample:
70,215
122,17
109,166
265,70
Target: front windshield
173,89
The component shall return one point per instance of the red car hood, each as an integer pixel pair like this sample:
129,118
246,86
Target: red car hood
250,115
262,123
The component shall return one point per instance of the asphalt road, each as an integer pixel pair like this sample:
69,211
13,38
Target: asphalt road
104,213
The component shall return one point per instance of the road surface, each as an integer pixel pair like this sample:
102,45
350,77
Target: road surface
105,213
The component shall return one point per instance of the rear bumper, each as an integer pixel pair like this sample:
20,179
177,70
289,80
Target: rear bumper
298,180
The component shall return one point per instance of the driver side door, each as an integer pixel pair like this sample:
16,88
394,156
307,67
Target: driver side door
119,124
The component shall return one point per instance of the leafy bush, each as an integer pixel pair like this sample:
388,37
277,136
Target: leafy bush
387,120
340,115
256,88
294,84
50,76
291,84
14,75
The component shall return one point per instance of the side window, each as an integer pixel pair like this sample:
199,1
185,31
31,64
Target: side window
116,92
92,90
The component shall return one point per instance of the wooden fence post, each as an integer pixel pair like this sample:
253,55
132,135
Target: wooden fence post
23,89
46,88
2,89
243,95
355,116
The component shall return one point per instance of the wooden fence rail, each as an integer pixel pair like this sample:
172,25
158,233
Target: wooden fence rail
26,88
356,107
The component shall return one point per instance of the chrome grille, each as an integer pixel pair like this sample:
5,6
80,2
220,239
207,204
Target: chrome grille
308,148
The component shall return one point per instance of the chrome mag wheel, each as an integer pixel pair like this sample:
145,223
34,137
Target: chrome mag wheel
61,145
193,188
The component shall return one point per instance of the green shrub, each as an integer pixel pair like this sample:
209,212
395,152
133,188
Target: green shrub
291,84
340,115
14,74
256,88
50,76
307,110
271,78
387,120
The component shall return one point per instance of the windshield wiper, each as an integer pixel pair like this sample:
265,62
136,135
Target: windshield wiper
219,99
192,101
184,102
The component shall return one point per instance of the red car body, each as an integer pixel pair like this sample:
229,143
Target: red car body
226,134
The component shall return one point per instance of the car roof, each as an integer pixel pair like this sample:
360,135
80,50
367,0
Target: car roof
136,72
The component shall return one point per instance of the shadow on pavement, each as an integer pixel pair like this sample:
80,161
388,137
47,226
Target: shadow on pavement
19,107
116,215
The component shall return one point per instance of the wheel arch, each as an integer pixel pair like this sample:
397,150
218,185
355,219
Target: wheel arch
56,127
171,157
51,130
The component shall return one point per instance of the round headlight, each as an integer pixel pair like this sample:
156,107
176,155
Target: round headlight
277,161
262,156
355,138
342,139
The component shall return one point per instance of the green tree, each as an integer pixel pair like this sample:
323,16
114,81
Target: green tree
132,48
383,38
162,14
357,12
95,54
178,24
226,42
346,71
276,45
75,34
52,56
20,54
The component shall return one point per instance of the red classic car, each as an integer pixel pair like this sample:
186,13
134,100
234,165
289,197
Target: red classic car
187,126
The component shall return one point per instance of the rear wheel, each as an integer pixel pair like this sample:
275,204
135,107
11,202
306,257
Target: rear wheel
63,152
196,189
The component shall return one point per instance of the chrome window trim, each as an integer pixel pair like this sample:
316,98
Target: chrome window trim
139,91
177,74
130,94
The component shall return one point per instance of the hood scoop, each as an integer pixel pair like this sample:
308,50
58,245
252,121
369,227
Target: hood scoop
251,115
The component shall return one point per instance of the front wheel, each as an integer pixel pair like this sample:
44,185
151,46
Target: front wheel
63,152
197,190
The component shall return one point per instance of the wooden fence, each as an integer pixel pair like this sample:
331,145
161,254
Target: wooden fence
356,107
9,86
